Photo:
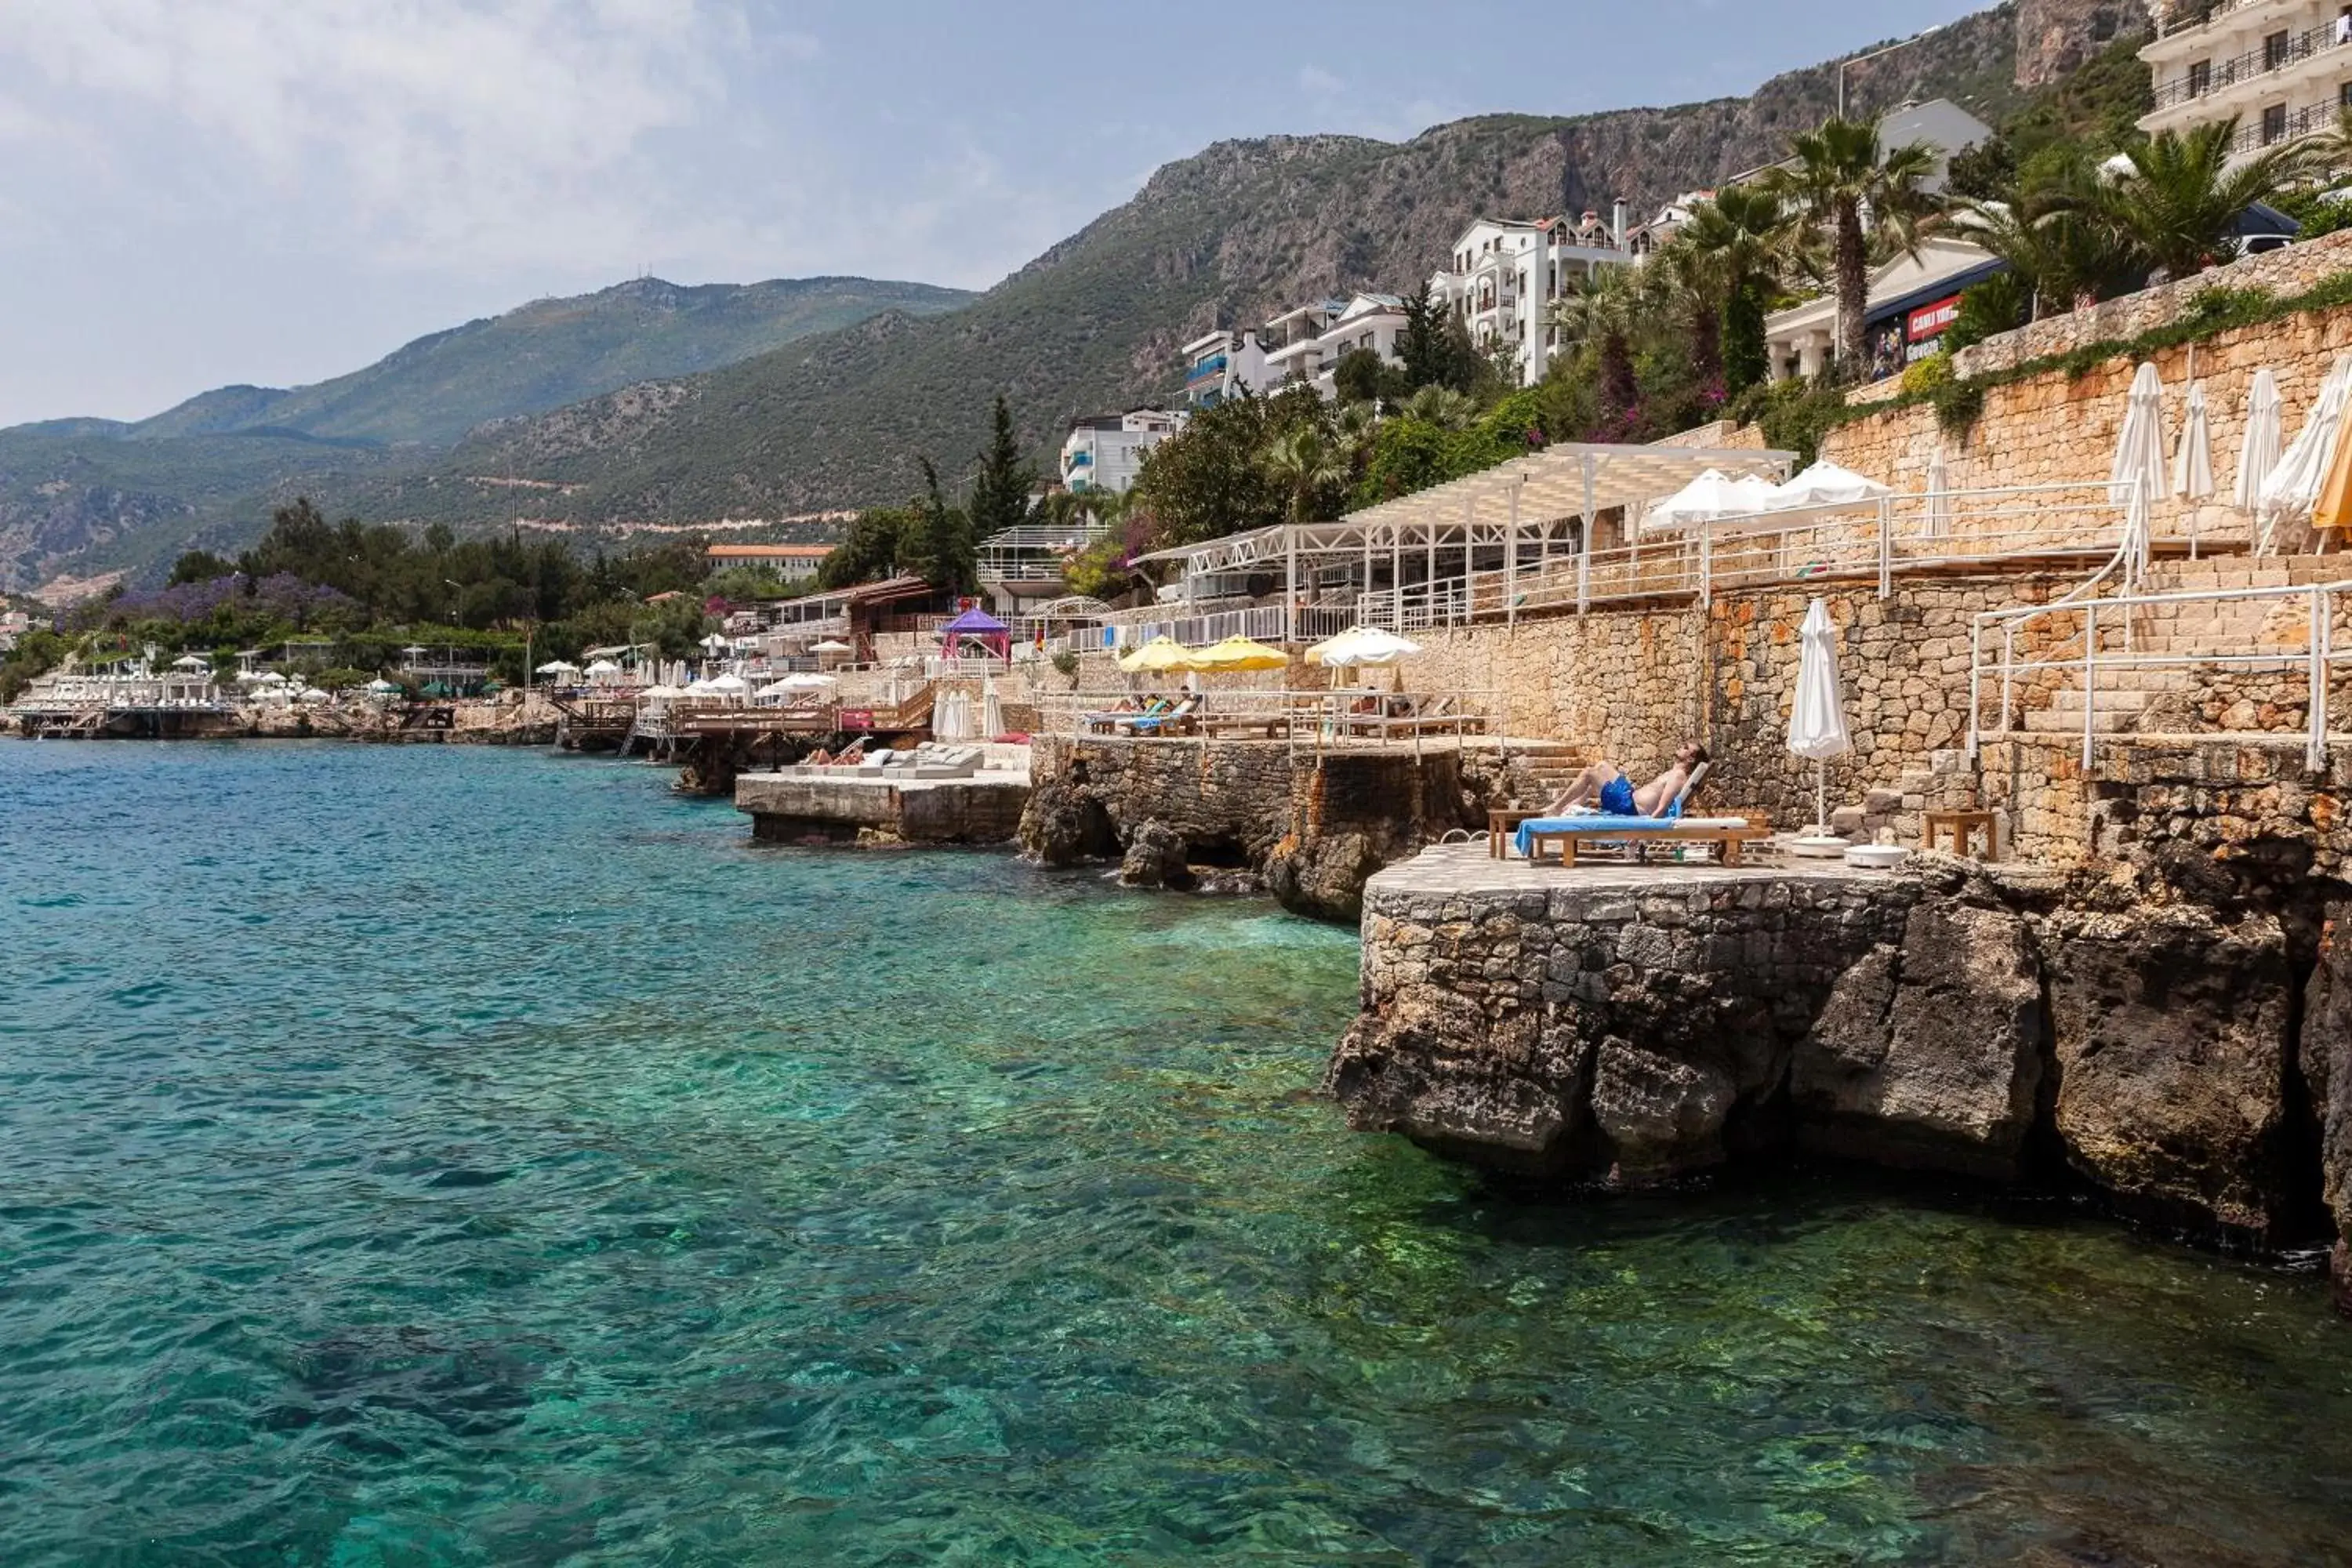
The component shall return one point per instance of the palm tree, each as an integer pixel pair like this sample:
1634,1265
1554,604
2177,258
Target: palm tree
2180,201
1841,179
1747,236
1442,406
1307,465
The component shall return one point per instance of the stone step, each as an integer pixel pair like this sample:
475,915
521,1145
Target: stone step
2105,699
2053,721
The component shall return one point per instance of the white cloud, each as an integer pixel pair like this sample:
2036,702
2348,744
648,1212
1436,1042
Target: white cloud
415,126
1320,82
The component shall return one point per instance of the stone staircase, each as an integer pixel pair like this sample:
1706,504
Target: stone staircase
2185,696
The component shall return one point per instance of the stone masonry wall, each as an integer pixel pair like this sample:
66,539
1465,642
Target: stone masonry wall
1313,826
2054,428
1632,685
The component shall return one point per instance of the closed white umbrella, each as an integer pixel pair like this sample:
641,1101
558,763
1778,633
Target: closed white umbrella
991,711
1817,719
1939,490
2138,476
2193,465
2292,487
2258,454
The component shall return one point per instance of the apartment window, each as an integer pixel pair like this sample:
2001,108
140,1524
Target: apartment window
2274,49
2274,123
2344,95
2200,79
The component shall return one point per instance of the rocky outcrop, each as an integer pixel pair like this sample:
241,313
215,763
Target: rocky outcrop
1929,1054
2170,1045
1309,828
1635,1026
2324,1053
1154,859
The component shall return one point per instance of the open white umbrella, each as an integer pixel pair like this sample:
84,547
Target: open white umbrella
189,662
1817,719
714,643
830,644
806,680
991,709
383,687
1361,647
603,667
558,667
2292,487
2258,454
660,694
1710,497
1825,489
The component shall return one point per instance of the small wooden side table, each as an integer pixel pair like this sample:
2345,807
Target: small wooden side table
1502,821
1962,826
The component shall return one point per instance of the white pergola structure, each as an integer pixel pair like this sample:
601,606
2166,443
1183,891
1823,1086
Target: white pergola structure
1526,501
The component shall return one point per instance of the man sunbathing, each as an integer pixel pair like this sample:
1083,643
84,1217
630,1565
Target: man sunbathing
1605,785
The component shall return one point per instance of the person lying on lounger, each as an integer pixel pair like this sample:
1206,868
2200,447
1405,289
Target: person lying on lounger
1604,785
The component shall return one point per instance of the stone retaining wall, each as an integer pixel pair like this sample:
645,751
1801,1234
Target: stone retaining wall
1313,826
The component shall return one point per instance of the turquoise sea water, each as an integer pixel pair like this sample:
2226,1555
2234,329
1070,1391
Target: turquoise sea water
449,1156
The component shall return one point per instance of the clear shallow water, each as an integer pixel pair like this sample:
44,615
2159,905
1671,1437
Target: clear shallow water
447,1156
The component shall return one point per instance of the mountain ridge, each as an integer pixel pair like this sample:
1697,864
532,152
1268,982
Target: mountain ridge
1244,228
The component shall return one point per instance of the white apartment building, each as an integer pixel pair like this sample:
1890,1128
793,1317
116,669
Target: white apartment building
1222,364
1105,451
1499,266
1373,321
2280,67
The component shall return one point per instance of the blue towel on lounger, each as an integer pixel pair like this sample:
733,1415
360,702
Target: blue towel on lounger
1590,822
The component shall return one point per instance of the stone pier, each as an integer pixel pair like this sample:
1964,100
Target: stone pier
983,809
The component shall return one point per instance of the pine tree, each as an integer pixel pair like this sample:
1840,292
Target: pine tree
1000,492
941,548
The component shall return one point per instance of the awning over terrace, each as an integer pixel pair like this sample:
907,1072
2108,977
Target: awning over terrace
1523,502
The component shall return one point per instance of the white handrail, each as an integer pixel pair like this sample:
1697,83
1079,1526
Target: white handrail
2318,656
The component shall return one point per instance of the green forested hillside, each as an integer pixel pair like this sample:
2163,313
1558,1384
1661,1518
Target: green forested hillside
79,496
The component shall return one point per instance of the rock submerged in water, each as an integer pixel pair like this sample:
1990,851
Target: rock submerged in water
1624,1027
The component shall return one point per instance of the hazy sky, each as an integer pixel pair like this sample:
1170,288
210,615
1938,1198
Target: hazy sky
201,192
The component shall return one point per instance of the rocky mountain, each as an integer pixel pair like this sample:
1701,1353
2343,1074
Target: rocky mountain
1239,231
1230,236
122,494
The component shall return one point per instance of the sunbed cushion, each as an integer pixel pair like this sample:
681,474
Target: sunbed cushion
1598,822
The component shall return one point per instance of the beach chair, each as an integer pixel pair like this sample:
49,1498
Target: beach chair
1178,720
1109,723
1570,835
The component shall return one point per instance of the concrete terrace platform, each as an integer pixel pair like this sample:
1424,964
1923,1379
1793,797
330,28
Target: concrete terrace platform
982,809
1447,870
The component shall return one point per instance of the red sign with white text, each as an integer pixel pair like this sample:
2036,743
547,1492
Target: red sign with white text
1929,320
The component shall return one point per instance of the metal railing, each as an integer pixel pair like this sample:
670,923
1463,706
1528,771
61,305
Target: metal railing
2014,526
1347,716
2085,637
1263,623
2253,63
2311,120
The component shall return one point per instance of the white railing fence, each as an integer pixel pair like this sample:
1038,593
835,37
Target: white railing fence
1904,535
2146,643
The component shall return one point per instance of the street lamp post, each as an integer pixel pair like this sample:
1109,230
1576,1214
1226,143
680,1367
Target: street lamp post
1873,54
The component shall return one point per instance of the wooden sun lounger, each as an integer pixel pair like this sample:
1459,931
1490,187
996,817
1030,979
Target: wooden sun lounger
1720,832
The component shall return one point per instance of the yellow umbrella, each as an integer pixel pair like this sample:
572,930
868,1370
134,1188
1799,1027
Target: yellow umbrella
2334,509
1160,656
1241,653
